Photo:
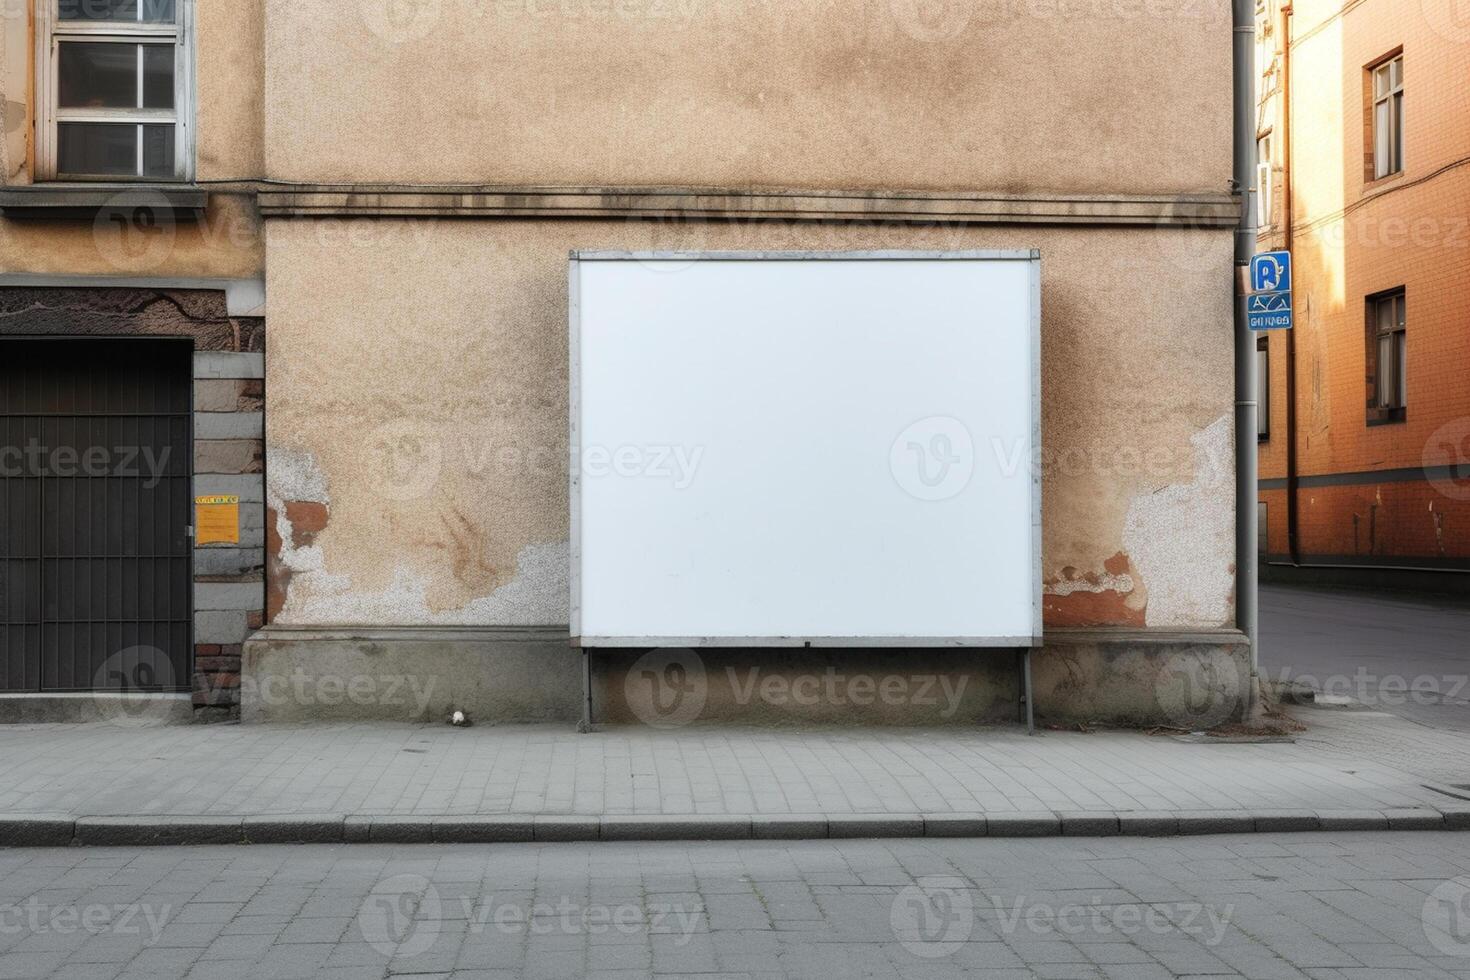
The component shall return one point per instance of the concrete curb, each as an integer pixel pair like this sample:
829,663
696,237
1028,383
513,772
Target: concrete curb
62,830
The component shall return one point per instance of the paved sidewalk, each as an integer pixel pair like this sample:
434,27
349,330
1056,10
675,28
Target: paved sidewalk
1350,770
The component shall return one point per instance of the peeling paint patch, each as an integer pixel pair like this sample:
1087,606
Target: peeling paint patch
278,578
1113,597
1176,533
307,519
296,512
537,596
294,475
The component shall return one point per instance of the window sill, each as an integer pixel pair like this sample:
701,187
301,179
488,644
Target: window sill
1392,416
86,200
1371,184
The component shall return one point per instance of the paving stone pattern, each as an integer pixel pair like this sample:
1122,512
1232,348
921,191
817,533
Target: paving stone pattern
1356,907
1346,762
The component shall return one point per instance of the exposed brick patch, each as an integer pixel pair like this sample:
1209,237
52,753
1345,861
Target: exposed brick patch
217,665
308,519
1094,599
278,576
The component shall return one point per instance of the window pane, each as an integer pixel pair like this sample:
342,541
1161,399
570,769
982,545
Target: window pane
1401,360
98,75
158,151
1263,392
158,76
97,148
1380,82
1382,159
1385,372
1396,73
153,11
1263,197
1399,304
1398,132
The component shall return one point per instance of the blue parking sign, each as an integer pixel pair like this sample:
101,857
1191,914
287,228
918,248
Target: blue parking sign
1271,272
1268,307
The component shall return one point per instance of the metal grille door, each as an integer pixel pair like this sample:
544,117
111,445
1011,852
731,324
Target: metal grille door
95,562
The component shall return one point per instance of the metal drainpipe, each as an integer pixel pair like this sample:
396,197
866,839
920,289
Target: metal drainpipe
1288,222
1246,447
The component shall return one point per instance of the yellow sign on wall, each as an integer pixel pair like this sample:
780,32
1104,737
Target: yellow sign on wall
217,520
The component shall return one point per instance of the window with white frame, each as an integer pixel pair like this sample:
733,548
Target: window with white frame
116,99
1388,118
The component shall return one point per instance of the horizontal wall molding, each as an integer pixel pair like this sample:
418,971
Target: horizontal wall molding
1402,563
1201,210
1408,474
294,633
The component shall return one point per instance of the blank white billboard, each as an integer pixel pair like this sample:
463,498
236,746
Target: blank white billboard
794,448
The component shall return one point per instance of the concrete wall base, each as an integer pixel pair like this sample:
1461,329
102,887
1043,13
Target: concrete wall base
493,674
513,674
1144,678
101,706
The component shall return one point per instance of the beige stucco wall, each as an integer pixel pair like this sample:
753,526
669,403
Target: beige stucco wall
230,80
418,420
991,94
15,48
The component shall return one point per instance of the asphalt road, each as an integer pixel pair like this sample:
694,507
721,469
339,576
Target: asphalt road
1406,654
1290,906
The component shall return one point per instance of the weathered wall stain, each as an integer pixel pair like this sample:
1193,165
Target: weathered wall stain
1113,597
461,542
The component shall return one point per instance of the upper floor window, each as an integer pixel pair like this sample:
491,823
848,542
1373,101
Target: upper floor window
1388,118
1265,185
1388,355
1263,388
115,90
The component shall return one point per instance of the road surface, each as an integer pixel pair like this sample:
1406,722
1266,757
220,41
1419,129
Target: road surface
1406,654
1289,906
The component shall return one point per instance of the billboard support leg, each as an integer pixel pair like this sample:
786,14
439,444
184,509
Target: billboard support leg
586,723
1027,709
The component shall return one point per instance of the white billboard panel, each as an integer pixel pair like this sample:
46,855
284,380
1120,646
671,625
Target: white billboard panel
795,448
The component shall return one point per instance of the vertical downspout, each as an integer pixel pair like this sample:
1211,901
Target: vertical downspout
1293,521
1247,519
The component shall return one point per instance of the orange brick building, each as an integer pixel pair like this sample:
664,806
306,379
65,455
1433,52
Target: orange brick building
1364,137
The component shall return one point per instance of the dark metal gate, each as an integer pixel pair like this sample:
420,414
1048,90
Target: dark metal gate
95,558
